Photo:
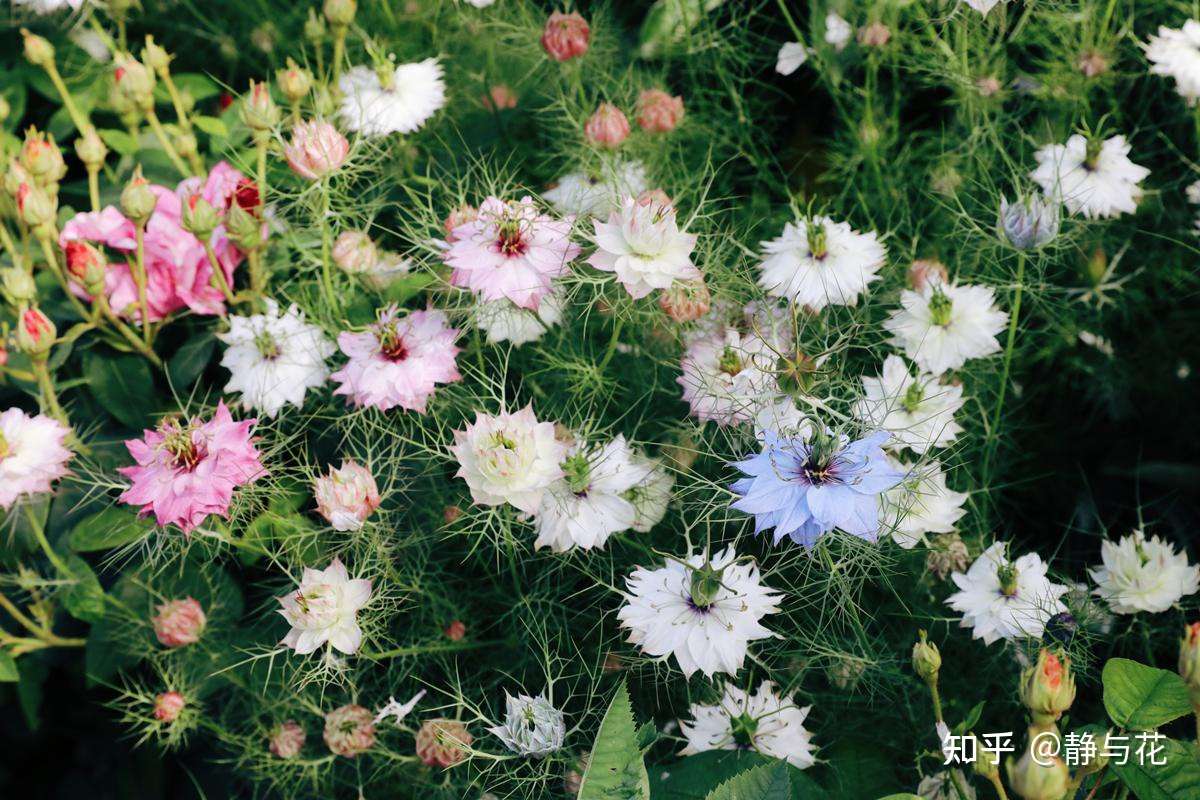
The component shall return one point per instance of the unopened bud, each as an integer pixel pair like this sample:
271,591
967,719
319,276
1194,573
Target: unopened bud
134,82
925,271
36,206
38,50
340,13
41,157
18,286
1189,661
314,28
91,150
138,199
926,659
259,112
987,763
186,144
198,217
35,333
155,57
1048,687
87,265
1041,778
294,81
168,706
243,228
1029,223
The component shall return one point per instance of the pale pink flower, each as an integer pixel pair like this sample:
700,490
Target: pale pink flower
442,742
179,622
399,360
500,97
317,149
188,469
685,301
349,730
324,608
168,706
32,454
355,252
287,739
346,496
643,245
607,127
658,111
459,216
510,250
565,36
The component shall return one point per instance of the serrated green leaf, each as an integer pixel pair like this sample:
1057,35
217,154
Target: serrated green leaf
8,668
123,385
692,778
1176,779
84,599
764,782
615,769
112,527
1140,697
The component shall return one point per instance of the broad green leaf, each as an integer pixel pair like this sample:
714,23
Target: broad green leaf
615,770
8,668
119,141
200,87
765,782
1177,779
190,360
29,691
84,599
692,778
123,385
213,126
1141,697
112,527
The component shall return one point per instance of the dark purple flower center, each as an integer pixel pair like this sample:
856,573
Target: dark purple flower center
392,345
510,239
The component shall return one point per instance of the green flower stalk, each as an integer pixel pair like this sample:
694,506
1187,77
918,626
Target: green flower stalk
159,60
40,53
927,662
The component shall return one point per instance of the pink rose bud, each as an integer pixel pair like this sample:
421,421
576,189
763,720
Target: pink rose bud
179,622
36,207
168,705
685,301
36,333
566,36
658,112
608,127
346,496
41,157
317,149
499,98
349,730
925,271
440,742
355,252
259,112
456,630
87,265
287,739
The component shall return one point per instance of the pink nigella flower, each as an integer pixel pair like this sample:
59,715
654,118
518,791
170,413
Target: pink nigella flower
32,454
607,127
510,250
566,36
168,706
179,622
399,360
316,150
188,470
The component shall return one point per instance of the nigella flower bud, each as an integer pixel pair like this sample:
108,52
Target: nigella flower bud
658,111
499,97
532,726
287,739
137,198
685,301
347,496
35,333
1048,688
925,271
874,35
926,659
355,252
458,217
349,730
41,158
179,622
607,127
168,706
317,149
455,631
38,50
1189,661
340,13
441,742
566,36
1029,223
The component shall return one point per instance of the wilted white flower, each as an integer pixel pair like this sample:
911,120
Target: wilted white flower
792,56
838,32
379,102
1175,53
766,722
509,458
395,710
1140,574
922,503
818,262
505,321
1091,177
1003,599
942,326
532,726
704,612
324,609
643,245
917,410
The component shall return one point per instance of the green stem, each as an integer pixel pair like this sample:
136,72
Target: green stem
127,333
326,257
1014,315
998,785
46,391
612,344
936,698
39,533
82,124
93,179
218,274
139,277
165,141
416,650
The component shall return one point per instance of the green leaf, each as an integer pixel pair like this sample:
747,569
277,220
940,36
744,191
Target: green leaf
8,668
123,385
84,599
30,690
764,782
615,770
190,360
1141,697
1177,779
200,87
902,796
692,778
112,527
213,126
119,141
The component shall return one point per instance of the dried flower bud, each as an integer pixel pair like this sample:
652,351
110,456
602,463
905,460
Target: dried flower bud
168,706
440,742
38,50
287,739
1048,688
259,112
450,514
91,149
340,13
155,57
658,111
349,730
607,127
1093,64
294,81
137,198
179,622
565,36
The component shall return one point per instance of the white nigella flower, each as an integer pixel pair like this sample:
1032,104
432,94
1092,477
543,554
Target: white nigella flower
597,194
91,43
704,612
1091,177
395,710
1140,574
1175,53
48,6
505,321
324,609
921,504
532,726
643,245
983,6
918,411
818,262
509,458
766,722
782,416
838,31
942,326
792,56
651,496
727,375
1003,599
274,359
376,102
590,503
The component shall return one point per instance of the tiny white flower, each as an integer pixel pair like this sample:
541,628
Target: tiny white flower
504,321
1140,574
508,458
818,262
597,194
274,359
413,93
704,613
917,410
1091,177
1003,599
532,726
942,326
765,722
838,31
324,609
643,245
921,504
792,56
1175,53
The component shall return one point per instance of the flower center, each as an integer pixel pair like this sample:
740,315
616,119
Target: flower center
3,447
1008,580
818,243
730,362
391,344
510,240
1091,159
940,306
267,347
577,473
913,397
706,583
743,727
185,452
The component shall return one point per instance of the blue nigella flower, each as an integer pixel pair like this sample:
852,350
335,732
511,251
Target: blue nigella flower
804,488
